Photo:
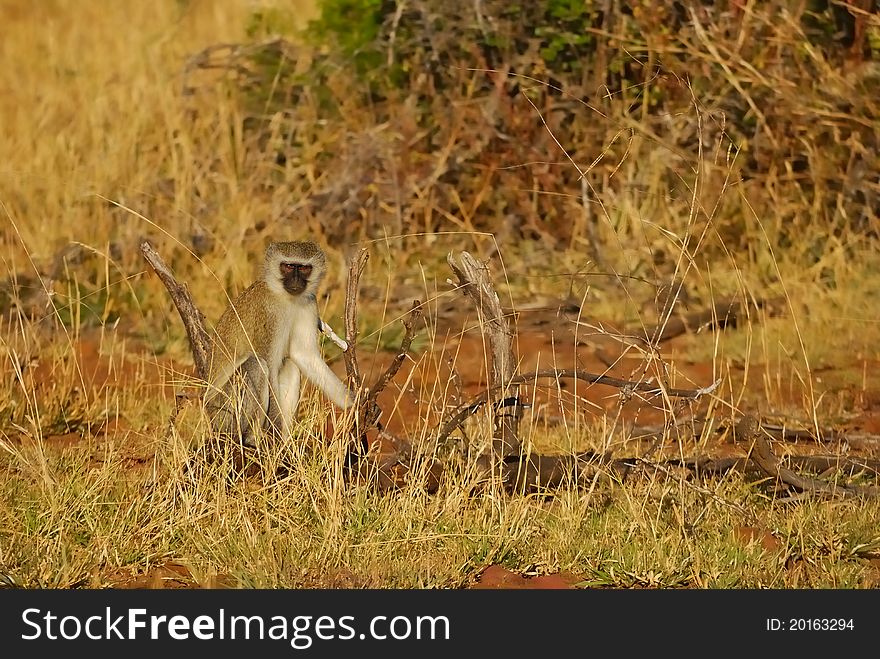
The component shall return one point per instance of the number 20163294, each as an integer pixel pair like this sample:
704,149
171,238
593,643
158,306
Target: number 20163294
809,624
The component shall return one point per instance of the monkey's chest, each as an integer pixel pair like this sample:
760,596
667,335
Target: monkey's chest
300,337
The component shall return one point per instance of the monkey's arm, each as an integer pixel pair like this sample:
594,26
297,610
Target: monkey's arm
316,370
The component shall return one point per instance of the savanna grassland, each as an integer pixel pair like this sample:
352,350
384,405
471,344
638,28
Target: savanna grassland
618,171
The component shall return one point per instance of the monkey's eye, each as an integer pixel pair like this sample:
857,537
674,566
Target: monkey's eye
287,268
305,270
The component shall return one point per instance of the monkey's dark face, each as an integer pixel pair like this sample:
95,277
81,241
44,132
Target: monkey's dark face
295,276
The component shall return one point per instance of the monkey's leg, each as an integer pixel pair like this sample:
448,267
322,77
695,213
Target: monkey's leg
222,412
283,404
222,399
225,406
254,399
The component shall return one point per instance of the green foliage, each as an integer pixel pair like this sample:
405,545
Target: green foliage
270,21
354,26
451,91
565,34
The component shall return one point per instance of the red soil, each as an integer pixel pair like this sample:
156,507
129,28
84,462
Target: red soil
432,383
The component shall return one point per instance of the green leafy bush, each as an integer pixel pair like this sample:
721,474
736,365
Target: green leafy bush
437,103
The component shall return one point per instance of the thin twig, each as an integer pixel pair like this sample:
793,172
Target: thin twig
351,331
469,408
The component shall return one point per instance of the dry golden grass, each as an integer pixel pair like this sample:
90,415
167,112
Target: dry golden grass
100,147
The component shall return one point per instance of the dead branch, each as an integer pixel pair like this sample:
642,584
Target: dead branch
193,319
846,465
706,465
769,464
471,407
475,283
725,313
696,426
382,381
537,472
368,411
351,331
813,463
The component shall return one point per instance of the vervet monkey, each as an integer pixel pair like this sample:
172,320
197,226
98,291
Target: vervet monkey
266,341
